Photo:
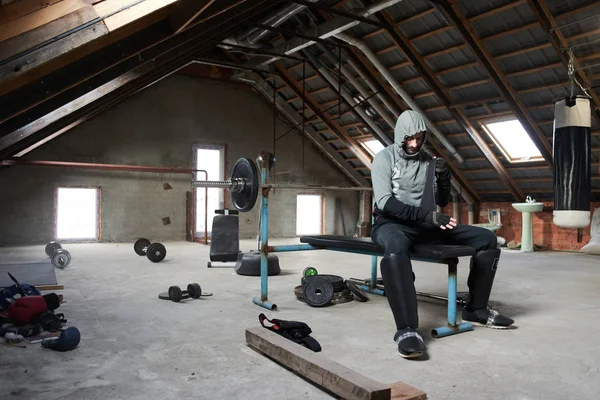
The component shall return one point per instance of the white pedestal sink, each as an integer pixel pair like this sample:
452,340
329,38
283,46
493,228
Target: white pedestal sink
527,226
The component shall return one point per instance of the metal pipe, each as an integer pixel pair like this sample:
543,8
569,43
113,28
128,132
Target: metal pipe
121,167
359,86
365,78
349,98
456,207
471,214
108,167
338,24
231,185
362,46
253,35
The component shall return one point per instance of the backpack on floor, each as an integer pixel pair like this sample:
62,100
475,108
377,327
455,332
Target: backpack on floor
9,294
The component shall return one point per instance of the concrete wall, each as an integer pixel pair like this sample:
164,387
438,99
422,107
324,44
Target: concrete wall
159,127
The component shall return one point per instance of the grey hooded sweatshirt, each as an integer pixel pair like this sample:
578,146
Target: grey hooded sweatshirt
404,185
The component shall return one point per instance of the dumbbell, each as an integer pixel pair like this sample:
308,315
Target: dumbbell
155,252
175,294
60,257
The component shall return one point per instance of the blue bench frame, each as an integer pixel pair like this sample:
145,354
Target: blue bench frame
264,249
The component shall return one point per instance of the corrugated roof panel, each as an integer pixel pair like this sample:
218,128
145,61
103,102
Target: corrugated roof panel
463,75
474,8
474,92
408,8
500,22
543,96
560,7
394,58
438,42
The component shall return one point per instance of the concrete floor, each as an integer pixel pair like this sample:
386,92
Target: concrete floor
136,346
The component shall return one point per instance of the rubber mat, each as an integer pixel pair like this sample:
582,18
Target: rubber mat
41,273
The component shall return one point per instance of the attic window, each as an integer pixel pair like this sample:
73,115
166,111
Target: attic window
373,146
512,140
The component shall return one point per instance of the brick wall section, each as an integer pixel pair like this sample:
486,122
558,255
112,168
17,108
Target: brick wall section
545,232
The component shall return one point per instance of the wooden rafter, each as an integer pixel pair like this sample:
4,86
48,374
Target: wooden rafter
453,13
559,42
443,94
185,11
326,118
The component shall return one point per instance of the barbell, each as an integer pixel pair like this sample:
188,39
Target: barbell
244,185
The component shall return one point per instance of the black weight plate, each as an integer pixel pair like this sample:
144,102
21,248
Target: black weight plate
140,245
317,292
61,258
156,252
52,247
336,281
165,296
194,290
245,169
175,294
356,292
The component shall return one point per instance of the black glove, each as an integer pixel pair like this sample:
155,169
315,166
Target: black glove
437,219
441,168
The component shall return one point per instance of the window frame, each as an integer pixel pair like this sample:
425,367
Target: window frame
197,145
362,141
98,213
312,193
483,123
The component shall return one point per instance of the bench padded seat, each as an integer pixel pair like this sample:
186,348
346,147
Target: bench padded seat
424,251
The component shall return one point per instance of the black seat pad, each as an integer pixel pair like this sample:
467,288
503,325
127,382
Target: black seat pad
428,251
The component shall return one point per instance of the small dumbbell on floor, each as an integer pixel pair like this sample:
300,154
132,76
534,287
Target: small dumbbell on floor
156,252
60,257
175,294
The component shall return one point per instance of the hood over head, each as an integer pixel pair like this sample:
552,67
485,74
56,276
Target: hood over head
409,123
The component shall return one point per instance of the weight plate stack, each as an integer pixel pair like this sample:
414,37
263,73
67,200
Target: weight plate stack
357,293
244,199
317,292
140,245
156,252
194,290
52,247
344,296
336,281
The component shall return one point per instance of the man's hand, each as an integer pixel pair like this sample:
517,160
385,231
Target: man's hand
441,168
442,221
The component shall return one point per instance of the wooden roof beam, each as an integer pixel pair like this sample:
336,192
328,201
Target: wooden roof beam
348,141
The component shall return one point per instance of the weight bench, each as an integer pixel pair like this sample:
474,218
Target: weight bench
444,254
434,253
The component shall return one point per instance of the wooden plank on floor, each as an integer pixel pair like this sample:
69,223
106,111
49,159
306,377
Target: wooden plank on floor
38,18
43,288
325,373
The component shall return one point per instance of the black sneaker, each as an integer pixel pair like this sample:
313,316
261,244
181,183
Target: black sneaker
487,317
410,343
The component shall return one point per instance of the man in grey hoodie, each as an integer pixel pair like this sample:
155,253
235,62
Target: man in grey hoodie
408,183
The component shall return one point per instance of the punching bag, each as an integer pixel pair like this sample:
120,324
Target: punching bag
572,168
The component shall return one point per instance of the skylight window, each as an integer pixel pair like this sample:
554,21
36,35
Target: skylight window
373,146
512,140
